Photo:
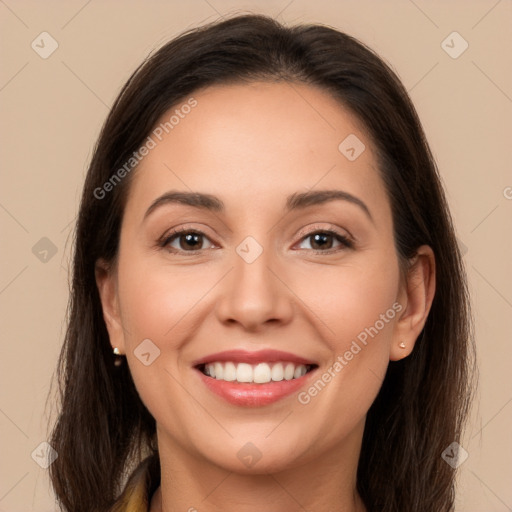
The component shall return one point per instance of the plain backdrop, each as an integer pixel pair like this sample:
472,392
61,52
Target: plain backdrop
51,112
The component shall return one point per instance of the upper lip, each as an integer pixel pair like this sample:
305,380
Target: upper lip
259,356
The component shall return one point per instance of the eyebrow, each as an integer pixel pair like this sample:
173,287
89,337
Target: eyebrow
296,201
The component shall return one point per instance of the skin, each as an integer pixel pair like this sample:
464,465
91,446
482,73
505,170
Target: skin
252,146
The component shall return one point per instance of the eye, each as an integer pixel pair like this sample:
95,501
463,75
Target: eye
323,240
184,240
191,241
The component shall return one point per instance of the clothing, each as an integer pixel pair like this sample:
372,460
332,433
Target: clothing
140,487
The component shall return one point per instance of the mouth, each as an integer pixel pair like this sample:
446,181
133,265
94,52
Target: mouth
254,379
260,373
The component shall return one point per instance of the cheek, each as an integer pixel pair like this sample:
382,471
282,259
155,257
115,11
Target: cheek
357,308
351,299
159,305
155,300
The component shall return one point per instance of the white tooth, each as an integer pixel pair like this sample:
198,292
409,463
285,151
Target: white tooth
262,373
229,372
219,370
277,372
288,371
299,371
244,372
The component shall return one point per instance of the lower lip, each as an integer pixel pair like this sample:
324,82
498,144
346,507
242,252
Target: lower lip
254,395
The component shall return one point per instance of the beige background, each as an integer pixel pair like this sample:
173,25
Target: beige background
52,110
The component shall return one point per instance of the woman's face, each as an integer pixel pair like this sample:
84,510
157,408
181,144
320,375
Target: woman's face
272,261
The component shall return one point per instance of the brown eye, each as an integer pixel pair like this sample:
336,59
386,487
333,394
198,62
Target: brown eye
185,240
323,241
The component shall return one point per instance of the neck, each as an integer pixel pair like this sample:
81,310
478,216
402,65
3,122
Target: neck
325,483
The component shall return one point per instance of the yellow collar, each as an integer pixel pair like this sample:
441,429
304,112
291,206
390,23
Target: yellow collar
140,487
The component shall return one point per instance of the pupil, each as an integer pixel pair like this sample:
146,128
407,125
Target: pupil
191,238
320,237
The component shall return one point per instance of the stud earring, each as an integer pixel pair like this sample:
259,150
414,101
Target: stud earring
402,345
118,360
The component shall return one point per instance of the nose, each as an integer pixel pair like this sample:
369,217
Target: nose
255,295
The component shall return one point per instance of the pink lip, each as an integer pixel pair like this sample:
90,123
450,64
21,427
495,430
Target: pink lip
259,356
254,395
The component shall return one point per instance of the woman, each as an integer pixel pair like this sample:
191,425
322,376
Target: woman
269,309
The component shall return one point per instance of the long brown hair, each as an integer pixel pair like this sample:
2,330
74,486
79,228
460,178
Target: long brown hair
103,428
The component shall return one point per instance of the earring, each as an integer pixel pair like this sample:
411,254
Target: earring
402,345
118,360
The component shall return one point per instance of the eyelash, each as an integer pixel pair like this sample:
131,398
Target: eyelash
169,237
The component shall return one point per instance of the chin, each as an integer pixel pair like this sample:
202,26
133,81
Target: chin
253,458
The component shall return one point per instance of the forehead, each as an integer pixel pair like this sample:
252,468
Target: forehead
259,141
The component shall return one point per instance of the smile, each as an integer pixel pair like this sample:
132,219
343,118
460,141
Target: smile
254,378
261,373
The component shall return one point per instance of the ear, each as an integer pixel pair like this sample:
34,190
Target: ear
106,281
416,296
